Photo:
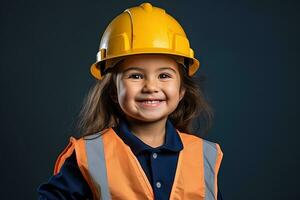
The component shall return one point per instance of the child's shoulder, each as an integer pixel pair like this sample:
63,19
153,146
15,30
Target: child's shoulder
93,136
189,138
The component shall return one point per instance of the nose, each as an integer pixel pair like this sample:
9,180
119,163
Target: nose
150,85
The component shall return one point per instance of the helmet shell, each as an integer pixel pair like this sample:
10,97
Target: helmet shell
144,29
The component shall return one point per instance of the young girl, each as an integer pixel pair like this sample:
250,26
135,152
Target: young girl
135,121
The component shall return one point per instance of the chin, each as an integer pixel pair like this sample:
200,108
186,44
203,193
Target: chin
147,119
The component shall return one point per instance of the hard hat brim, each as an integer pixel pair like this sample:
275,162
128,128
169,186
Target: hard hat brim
95,70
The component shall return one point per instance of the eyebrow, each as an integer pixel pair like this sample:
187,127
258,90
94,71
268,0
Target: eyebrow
141,69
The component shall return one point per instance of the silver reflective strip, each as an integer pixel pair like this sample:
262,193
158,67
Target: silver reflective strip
209,156
97,165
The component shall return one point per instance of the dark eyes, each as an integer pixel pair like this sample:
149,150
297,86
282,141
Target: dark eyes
164,75
135,76
140,76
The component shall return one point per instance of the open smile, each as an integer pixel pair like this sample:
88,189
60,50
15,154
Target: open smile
150,103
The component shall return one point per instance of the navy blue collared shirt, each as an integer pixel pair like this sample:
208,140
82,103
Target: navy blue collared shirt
159,165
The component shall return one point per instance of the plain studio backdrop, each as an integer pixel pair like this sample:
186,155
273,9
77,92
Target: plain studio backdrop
249,54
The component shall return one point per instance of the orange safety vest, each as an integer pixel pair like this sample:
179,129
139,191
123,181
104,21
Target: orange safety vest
113,171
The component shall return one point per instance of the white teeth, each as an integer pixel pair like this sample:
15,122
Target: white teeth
151,102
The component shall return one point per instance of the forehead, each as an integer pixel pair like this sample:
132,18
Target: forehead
148,62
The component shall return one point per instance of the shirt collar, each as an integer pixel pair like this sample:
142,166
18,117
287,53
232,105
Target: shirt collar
172,139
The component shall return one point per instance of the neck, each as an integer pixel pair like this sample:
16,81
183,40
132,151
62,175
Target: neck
151,133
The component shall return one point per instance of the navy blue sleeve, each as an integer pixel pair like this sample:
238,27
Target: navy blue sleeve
69,183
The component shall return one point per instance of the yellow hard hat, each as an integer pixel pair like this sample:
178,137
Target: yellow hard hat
142,30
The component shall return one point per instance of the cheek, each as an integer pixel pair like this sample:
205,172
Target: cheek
126,92
172,91
122,92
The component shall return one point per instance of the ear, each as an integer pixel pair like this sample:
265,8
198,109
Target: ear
181,93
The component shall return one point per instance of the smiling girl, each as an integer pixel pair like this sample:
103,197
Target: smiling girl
136,142
147,93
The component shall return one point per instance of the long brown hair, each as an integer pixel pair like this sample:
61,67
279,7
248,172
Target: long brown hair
99,111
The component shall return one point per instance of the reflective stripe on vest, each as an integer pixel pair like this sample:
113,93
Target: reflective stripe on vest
209,158
96,163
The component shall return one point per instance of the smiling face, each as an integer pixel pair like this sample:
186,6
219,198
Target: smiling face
148,87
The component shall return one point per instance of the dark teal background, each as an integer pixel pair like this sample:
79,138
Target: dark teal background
249,53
